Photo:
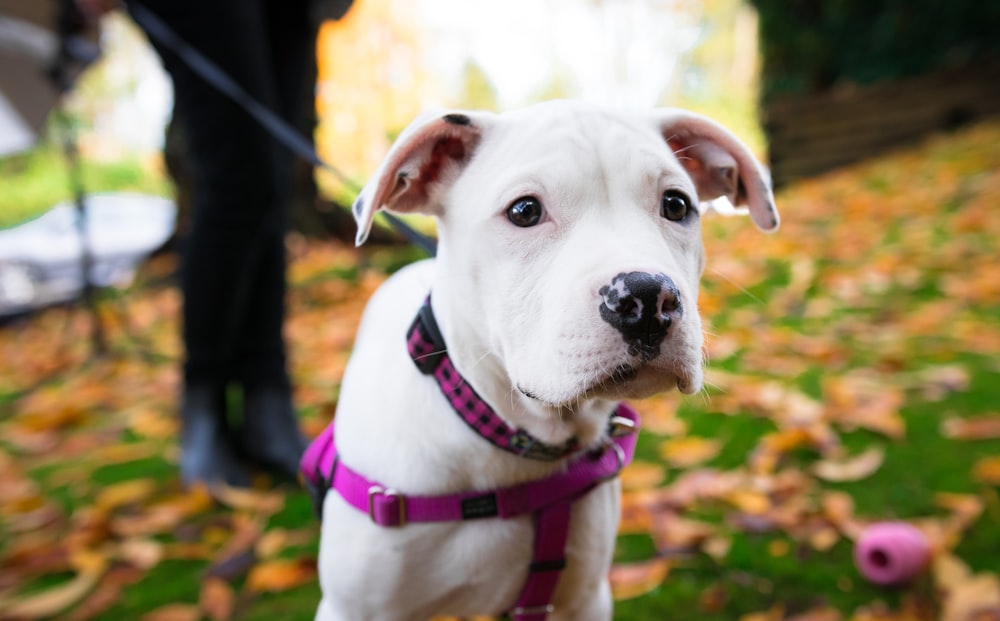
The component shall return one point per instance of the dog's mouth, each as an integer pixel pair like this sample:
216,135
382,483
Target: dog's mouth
625,381
622,374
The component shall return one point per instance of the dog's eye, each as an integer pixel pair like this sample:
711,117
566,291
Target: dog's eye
525,211
675,205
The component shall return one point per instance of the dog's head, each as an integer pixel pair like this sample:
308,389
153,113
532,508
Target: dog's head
570,236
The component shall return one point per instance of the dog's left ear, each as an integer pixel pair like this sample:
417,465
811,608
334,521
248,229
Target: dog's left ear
420,167
719,163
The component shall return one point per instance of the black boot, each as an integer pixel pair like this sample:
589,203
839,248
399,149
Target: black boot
208,453
270,435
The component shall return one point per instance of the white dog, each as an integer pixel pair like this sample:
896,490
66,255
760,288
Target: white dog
476,445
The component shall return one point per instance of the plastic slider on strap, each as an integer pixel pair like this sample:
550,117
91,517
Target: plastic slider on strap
378,499
521,611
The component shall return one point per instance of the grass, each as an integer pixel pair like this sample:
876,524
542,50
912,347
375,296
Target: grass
843,289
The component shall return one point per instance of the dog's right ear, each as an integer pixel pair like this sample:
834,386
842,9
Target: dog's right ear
419,168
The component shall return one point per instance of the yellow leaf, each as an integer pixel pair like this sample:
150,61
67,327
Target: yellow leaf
749,501
853,468
641,474
779,547
635,579
689,450
125,493
987,470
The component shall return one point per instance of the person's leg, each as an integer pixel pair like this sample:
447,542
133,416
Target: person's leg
270,433
236,206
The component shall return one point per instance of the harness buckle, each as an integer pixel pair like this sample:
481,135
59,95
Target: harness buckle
377,490
619,455
533,610
619,426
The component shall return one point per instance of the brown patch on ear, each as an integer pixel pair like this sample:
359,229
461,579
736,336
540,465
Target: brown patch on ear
714,171
451,149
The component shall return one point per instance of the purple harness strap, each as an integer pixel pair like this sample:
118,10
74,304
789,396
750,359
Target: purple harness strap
549,499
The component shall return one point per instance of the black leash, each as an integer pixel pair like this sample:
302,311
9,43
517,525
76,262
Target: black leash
284,133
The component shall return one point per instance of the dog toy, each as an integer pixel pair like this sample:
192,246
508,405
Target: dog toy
891,553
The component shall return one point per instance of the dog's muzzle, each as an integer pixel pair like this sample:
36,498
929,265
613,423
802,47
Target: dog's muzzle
642,307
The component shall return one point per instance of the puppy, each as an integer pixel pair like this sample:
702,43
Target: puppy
479,426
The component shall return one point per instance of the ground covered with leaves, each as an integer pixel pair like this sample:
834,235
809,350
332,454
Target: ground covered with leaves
854,376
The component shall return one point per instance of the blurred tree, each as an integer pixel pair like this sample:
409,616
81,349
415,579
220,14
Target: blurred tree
811,45
477,91
371,77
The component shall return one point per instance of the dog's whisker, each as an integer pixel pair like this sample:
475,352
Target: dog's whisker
738,286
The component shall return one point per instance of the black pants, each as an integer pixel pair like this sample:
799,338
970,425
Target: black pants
233,271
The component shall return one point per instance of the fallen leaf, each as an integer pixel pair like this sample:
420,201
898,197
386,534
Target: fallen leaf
173,612
141,553
634,579
751,502
671,532
258,501
130,492
641,474
689,451
977,597
975,428
854,468
279,575
217,599
965,508
717,546
51,601
987,470
274,541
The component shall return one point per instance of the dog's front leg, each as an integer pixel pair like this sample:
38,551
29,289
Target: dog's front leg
595,606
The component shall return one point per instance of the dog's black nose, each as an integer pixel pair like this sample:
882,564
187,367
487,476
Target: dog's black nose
642,307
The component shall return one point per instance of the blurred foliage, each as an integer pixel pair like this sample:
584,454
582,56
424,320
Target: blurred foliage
810,46
34,181
478,92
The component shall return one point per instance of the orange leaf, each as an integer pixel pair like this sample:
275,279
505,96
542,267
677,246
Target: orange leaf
987,470
977,428
689,450
635,579
217,599
640,475
279,575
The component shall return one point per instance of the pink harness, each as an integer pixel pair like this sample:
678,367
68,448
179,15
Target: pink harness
549,499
